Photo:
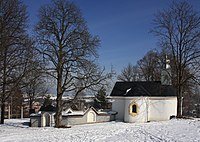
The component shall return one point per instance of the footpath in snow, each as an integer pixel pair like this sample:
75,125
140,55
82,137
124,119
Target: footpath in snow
183,130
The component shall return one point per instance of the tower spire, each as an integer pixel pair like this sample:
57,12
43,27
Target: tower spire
167,63
166,73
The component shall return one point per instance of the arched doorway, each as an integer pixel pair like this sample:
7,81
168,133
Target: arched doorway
91,117
46,120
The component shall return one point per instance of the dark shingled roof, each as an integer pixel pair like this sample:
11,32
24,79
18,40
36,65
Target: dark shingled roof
142,88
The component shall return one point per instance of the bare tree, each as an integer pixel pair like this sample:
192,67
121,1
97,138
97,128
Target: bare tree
16,103
70,50
13,18
178,28
150,66
129,73
35,80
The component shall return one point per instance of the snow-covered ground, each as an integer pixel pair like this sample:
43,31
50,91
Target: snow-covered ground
186,130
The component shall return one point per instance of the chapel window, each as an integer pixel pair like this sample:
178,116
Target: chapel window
134,108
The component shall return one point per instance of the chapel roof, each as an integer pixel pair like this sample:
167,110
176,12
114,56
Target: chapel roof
142,88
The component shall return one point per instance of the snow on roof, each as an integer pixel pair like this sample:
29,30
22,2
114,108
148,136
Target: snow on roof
35,114
73,113
70,112
112,112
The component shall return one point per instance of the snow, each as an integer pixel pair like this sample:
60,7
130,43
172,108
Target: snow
182,130
73,113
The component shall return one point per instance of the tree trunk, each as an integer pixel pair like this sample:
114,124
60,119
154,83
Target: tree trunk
179,102
179,115
30,104
3,86
58,118
2,112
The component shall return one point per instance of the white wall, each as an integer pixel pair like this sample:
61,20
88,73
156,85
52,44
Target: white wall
141,115
149,108
118,106
162,108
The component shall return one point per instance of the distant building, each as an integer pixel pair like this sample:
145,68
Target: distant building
45,118
82,111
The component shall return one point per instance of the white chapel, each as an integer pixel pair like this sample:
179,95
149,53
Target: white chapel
144,101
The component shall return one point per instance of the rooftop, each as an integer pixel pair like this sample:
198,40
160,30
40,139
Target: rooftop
142,88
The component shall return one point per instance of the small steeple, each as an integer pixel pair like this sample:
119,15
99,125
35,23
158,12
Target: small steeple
166,73
167,63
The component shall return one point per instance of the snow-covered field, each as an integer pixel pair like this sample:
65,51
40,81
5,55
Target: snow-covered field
187,130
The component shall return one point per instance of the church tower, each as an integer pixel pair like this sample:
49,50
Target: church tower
166,73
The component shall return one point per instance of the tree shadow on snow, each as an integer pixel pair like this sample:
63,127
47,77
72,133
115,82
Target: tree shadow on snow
18,124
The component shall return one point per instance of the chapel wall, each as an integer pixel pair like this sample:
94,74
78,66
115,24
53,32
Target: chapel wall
118,106
162,108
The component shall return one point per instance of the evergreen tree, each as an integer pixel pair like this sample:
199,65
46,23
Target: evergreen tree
47,101
100,99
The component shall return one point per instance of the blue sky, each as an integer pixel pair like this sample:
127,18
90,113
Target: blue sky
122,25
